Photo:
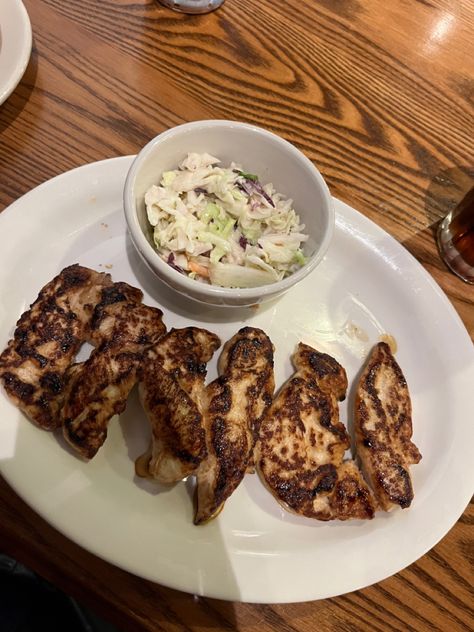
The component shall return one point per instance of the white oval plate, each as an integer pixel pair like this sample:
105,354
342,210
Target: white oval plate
15,45
368,285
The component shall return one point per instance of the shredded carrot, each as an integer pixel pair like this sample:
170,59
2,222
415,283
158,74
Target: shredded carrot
198,269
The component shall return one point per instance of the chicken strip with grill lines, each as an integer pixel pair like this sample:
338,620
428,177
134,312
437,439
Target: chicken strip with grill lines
171,391
302,444
236,402
98,388
383,427
47,337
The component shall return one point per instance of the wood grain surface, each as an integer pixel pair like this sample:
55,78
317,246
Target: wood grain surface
378,94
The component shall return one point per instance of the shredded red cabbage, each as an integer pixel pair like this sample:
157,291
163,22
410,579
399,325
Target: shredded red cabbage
250,186
243,242
172,263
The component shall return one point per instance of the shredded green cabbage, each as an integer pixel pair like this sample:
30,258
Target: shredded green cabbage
222,226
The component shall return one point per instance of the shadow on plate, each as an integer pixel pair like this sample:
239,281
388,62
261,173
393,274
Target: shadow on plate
136,435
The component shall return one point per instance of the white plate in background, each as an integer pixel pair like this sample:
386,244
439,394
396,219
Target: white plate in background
15,45
368,285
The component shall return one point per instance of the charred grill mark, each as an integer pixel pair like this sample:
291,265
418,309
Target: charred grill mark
318,400
287,462
290,491
233,459
77,435
27,352
362,414
396,482
69,342
119,293
187,457
195,367
392,409
400,420
50,326
251,397
322,370
87,437
267,398
221,403
322,364
21,333
126,362
44,402
143,339
300,491
19,389
52,381
73,276
293,405
350,498
248,332
196,344
372,391
325,410
326,483
220,440
249,350
242,354
112,295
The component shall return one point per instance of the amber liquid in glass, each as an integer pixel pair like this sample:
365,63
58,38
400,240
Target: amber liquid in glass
456,238
462,231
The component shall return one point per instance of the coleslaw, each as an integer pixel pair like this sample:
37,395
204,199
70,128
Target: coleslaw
220,225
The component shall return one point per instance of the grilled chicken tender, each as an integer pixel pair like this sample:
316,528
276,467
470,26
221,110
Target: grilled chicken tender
171,391
98,388
302,444
47,337
236,403
383,428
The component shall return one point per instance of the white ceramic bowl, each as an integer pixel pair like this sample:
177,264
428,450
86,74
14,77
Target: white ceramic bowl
258,151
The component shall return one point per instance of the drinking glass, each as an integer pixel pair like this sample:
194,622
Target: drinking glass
456,238
192,6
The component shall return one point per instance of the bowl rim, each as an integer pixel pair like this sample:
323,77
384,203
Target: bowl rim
191,286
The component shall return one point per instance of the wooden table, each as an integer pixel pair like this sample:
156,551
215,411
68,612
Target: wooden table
378,94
